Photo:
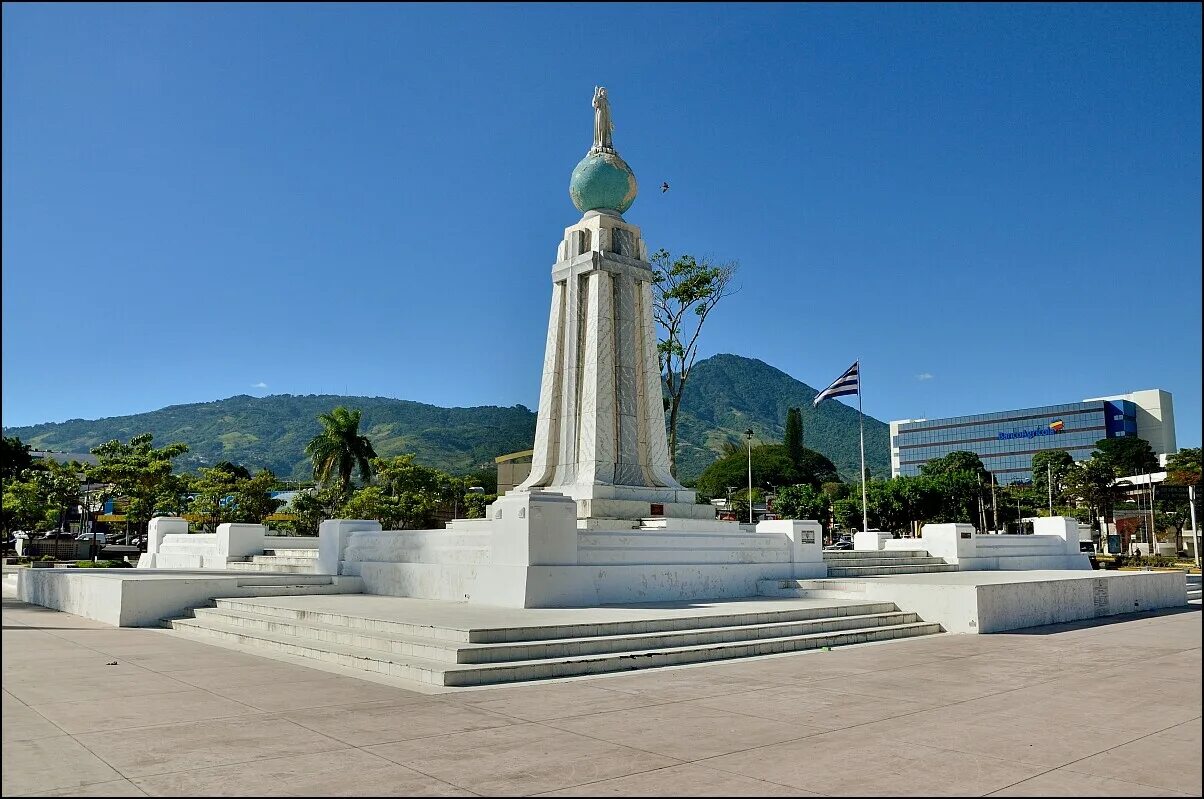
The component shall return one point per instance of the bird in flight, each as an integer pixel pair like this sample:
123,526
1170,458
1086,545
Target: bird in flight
664,187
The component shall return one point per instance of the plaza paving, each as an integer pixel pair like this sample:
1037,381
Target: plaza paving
1100,708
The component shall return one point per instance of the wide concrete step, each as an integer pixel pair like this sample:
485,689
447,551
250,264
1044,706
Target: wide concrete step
292,553
881,571
284,560
272,568
811,589
881,561
463,652
854,554
524,633
460,674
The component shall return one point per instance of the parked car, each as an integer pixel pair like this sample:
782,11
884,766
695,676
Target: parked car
59,534
845,542
97,537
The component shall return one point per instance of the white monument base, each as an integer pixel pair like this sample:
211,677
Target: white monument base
871,540
534,552
1054,545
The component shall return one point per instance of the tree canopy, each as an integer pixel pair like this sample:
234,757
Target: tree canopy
1183,468
1126,456
771,465
685,291
340,449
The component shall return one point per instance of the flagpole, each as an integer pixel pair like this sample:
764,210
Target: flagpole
865,513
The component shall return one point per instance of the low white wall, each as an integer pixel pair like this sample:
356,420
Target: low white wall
138,598
1049,598
171,546
1054,545
529,552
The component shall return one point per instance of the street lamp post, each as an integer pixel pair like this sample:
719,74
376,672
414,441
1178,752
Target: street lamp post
749,435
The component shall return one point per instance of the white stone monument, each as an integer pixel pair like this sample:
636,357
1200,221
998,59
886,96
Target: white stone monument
601,518
600,436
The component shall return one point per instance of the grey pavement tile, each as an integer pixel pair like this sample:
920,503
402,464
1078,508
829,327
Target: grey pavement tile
329,690
555,701
168,660
915,686
121,712
687,779
21,723
1014,737
382,722
678,685
523,759
1167,759
257,674
49,763
859,762
684,730
111,788
1063,782
1057,704
104,681
814,706
349,773
180,747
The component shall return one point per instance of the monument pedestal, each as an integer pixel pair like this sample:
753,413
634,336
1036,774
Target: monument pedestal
600,435
871,540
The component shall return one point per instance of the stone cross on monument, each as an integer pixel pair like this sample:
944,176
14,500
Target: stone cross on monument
600,435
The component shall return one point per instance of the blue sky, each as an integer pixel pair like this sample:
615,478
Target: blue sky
991,206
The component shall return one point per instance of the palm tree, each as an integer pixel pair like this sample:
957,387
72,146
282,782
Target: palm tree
339,449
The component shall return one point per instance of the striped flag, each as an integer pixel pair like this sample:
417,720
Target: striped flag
847,383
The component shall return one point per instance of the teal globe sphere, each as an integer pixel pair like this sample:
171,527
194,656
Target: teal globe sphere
602,181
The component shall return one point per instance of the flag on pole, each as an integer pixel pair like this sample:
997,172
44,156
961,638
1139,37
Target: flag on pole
847,383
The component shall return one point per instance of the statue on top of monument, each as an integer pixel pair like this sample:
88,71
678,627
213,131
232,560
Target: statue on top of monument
603,127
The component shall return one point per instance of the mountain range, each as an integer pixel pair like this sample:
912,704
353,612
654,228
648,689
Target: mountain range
725,395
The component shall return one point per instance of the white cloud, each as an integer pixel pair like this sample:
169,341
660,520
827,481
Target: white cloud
260,384
924,376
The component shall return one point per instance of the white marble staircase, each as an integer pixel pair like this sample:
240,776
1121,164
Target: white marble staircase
1193,589
450,656
287,561
853,563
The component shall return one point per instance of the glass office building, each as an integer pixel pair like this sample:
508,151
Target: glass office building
1006,441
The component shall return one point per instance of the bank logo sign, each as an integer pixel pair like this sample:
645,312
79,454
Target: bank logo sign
1053,428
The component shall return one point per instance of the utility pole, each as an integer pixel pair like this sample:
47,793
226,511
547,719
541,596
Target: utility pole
994,507
1049,484
1153,538
1195,533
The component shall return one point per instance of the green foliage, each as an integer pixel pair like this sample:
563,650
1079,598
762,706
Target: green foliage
14,457
1055,463
1090,482
475,504
230,493
340,449
770,466
1183,468
685,291
26,505
793,437
957,461
801,502
1126,456
311,507
140,473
